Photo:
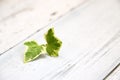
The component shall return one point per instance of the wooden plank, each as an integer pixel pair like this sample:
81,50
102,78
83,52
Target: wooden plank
24,17
114,74
91,46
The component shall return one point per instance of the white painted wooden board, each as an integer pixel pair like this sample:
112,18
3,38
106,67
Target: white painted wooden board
90,50
115,74
21,18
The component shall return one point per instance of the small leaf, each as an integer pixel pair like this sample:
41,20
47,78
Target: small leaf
33,51
53,43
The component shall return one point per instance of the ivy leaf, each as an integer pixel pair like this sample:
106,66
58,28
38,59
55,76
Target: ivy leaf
53,43
33,51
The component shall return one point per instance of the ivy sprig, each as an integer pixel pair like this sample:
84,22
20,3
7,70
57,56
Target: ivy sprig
34,50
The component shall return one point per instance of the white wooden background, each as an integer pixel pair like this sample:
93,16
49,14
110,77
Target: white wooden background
90,35
24,17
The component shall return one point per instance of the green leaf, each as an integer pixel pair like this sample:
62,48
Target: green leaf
33,51
53,43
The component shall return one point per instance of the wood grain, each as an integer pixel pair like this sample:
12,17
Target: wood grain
90,50
21,18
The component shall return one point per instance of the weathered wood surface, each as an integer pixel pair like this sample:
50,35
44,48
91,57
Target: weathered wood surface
114,74
21,18
90,51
